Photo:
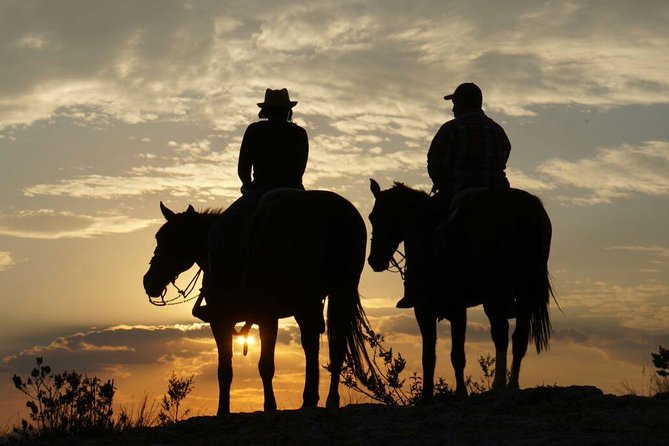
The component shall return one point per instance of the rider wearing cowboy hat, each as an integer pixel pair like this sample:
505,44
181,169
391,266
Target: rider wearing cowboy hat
273,154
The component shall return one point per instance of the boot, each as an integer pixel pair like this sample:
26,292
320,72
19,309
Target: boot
202,312
405,302
409,298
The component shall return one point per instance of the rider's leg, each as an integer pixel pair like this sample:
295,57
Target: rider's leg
224,255
418,246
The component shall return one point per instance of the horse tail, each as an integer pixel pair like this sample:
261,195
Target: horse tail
347,323
538,289
540,324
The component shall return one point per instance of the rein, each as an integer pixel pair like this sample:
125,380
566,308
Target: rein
181,293
400,266
244,331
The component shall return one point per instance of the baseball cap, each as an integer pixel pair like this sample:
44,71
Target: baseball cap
467,93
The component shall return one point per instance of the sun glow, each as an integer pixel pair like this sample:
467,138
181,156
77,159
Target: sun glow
240,340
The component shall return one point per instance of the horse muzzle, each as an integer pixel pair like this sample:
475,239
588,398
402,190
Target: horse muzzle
378,265
152,288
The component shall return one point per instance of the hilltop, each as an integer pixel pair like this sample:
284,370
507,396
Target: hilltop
542,415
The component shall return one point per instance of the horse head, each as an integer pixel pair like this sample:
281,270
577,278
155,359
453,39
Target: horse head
387,233
176,250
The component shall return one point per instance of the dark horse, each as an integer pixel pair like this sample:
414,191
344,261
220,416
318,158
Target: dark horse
305,246
493,251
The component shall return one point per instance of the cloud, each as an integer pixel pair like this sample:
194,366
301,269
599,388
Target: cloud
147,61
117,345
364,77
654,257
6,260
528,182
612,173
194,170
640,306
189,169
50,224
659,251
136,345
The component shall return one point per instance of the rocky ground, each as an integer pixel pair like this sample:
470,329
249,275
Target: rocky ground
545,415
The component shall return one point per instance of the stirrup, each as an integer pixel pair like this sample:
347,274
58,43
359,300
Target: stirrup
405,302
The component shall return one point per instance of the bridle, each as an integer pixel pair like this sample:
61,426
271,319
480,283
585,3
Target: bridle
398,266
181,293
184,293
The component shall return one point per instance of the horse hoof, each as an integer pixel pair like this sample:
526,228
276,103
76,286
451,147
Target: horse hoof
462,394
332,403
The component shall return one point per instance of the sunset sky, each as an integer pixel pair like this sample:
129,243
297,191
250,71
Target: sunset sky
107,108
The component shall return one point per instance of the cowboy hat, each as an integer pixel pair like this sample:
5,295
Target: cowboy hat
277,98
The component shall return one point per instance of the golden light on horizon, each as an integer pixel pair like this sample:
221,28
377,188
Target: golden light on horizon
250,340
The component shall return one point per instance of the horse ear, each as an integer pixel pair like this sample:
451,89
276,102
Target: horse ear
191,209
374,187
166,212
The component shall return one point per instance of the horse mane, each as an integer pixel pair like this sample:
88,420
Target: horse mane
408,194
211,211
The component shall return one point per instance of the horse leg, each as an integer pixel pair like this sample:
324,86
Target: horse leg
223,336
499,330
310,344
427,324
337,347
520,340
268,332
458,328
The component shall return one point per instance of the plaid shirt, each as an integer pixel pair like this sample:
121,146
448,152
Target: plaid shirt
469,151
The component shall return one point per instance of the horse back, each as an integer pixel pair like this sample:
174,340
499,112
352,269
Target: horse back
497,239
302,245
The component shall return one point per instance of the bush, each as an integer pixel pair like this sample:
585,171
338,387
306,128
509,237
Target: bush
387,385
72,403
65,403
661,363
177,390
142,414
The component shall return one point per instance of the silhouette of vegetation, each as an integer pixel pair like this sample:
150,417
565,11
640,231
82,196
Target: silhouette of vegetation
661,363
143,414
651,383
64,403
70,403
178,389
388,386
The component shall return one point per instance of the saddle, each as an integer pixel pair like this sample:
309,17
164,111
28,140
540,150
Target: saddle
449,252
252,234
457,201
273,195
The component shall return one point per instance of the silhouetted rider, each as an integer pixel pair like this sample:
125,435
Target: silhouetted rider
469,151
273,154
275,149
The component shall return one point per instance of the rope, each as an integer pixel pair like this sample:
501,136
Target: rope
244,331
181,293
400,266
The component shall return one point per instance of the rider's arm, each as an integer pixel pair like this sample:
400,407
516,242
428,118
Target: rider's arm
245,161
303,152
438,156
